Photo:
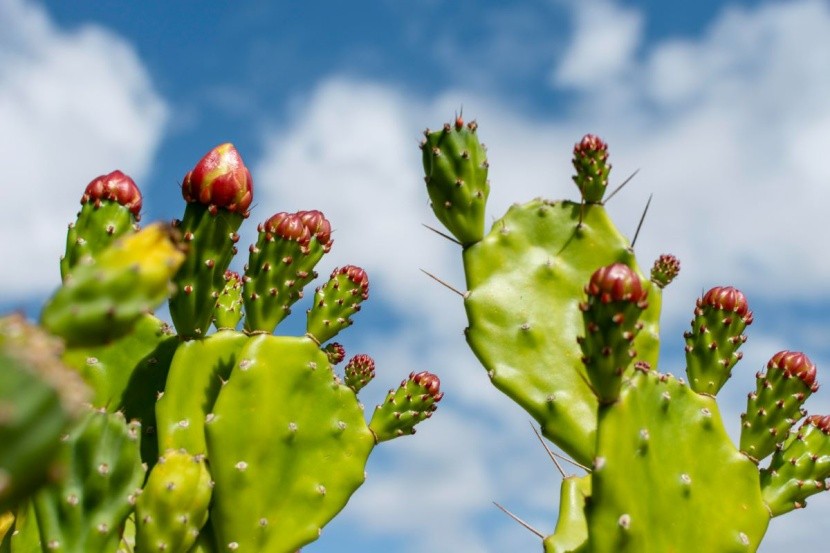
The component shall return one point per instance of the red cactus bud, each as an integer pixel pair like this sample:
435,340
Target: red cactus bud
318,226
220,180
727,298
356,275
430,382
822,422
795,364
117,187
665,270
617,282
288,226
361,363
335,352
591,143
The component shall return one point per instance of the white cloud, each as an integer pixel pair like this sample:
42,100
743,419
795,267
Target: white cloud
729,129
74,105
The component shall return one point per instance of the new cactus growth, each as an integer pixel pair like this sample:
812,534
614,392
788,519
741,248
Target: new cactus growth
191,441
566,325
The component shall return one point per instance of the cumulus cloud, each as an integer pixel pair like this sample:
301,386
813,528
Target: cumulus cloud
74,105
728,129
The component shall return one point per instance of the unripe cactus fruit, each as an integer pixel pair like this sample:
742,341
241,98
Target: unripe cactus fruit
220,180
219,183
721,316
776,404
799,469
335,352
413,401
590,160
336,301
111,206
455,167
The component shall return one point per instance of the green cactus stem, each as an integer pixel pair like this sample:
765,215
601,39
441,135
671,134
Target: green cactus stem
455,168
39,399
571,533
616,298
173,506
590,159
721,316
800,468
218,192
359,371
336,301
280,481
280,265
111,207
103,300
776,404
413,401
84,513
228,310
665,270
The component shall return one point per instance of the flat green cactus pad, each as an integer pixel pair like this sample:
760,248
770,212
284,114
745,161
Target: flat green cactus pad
663,441
524,280
283,465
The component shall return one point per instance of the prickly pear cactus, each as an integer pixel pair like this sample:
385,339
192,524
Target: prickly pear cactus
566,324
191,441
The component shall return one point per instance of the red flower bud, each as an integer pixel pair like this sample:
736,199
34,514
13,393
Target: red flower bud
591,143
819,421
430,382
220,180
356,275
318,226
727,298
287,226
617,282
116,187
795,364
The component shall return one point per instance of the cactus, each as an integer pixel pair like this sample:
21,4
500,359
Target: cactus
566,324
190,440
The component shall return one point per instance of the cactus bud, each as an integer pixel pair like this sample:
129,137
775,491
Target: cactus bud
220,180
117,187
336,301
617,282
665,270
360,370
776,404
335,352
318,226
414,401
288,226
727,298
591,163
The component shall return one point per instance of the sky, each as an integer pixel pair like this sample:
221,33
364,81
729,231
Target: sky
722,106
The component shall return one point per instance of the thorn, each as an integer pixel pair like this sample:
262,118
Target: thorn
439,233
430,275
620,187
520,521
557,455
550,453
640,224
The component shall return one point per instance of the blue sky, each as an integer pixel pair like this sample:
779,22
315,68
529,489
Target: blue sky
721,105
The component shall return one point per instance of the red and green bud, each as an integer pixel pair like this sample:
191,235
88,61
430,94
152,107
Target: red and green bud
415,400
795,364
336,301
335,352
665,270
591,163
617,282
220,180
729,299
116,187
359,371
318,226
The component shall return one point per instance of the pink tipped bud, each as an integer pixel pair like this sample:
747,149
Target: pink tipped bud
822,422
430,382
356,275
318,226
220,180
335,352
288,226
665,270
727,298
116,187
589,144
617,282
795,364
